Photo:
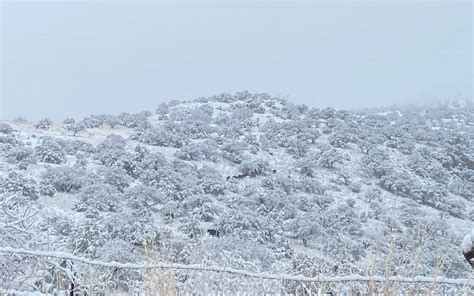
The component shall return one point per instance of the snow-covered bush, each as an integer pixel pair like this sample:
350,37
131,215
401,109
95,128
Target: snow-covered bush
93,121
110,150
50,151
16,183
196,150
133,120
161,137
331,157
162,111
97,198
5,129
112,121
71,147
19,154
47,189
69,121
254,167
44,124
115,176
75,128
63,178
142,196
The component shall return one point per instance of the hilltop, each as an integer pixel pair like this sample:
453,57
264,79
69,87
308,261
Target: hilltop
246,181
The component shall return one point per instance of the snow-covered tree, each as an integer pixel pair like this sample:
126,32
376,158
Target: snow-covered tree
75,128
44,124
50,151
63,178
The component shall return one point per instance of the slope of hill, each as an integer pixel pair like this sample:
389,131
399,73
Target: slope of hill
246,181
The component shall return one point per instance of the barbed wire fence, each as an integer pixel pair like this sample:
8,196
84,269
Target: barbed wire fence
57,271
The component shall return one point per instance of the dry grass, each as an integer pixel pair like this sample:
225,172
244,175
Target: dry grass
158,281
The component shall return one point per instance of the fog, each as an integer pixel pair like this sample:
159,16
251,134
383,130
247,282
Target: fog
62,59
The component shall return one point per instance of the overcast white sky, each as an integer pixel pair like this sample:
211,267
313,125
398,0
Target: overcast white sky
62,59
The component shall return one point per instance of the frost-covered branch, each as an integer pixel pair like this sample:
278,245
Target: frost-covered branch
198,267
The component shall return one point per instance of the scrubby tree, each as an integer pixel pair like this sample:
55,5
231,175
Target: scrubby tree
254,167
142,196
111,149
50,151
96,198
112,121
161,137
69,121
44,124
75,128
20,154
115,176
16,183
298,148
331,157
63,178
162,111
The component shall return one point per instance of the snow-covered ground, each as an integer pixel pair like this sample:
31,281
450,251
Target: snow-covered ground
246,182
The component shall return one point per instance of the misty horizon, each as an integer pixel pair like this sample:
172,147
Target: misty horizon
382,107
64,60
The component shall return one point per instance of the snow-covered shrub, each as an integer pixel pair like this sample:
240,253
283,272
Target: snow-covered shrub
69,121
110,150
112,121
195,150
211,181
115,176
331,157
378,163
162,111
298,147
304,227
86,237
233,151
142,196
398,182
179,186
93,121
19,154
44,124
119,250
133,120
161,137
406,145
135,227
71,147
97,197
255,167
63,178
311,186
81,161
195,129
7,142
343,219
75,128
19,119
16,183
47,189
341,139
213,187
50,151
245,224
5,129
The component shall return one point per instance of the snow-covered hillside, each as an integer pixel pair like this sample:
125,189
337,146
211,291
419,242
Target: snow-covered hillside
244,181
